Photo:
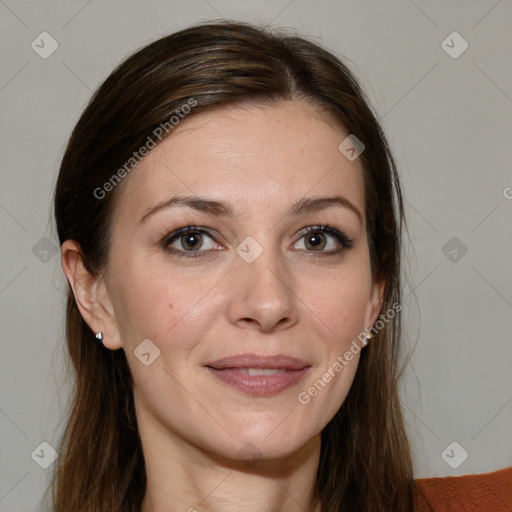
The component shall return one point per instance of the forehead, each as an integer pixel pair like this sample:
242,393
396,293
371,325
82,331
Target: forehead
252,156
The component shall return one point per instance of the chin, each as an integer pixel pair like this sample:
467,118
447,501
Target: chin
261,443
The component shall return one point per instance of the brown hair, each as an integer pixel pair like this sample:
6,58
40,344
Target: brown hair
365,462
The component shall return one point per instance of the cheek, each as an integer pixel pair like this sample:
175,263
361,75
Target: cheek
338,311
162,304
340,302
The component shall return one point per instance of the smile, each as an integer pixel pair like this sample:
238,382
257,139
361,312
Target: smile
259,375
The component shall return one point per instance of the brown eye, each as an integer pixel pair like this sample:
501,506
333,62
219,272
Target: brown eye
315,240
192,241
324,240
189,242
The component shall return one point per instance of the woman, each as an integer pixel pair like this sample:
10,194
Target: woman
230,219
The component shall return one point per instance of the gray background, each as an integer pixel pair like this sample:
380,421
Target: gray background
449,123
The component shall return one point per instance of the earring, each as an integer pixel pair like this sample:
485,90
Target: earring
99,336
368,335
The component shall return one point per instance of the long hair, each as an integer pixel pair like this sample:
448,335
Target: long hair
365,462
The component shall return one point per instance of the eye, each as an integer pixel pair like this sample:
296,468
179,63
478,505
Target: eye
190,242
187,242
325,240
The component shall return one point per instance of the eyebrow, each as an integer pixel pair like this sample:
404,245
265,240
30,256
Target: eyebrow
221,209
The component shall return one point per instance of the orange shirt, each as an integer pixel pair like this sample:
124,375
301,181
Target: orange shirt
486,492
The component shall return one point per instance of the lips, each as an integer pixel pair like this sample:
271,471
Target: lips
259,375
279,362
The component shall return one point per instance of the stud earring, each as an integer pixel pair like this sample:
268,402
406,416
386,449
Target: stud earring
368,335
99,336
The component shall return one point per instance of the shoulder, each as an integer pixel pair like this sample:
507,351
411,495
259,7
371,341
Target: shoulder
489,492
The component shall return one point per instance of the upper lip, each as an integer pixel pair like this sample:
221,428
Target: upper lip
258,361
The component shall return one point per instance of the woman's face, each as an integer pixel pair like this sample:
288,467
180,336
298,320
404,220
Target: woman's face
247,284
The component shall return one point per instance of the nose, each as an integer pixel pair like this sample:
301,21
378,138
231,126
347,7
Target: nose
263,294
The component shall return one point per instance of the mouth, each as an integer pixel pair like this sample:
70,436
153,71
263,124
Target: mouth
259,375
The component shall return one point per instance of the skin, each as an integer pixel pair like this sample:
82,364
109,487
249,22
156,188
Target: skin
291,300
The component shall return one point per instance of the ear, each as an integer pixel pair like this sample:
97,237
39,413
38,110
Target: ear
91,296
375,302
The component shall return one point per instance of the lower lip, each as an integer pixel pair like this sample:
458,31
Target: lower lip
259,385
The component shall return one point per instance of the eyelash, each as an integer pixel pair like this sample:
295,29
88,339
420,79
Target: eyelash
343,240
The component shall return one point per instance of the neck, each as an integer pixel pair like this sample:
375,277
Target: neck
182,477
